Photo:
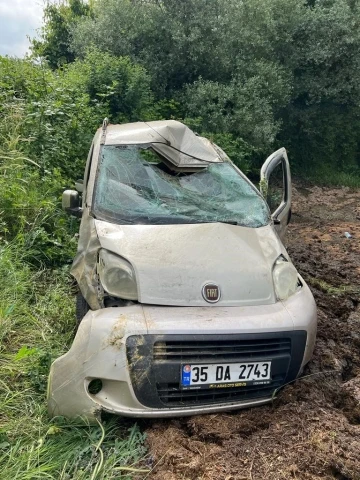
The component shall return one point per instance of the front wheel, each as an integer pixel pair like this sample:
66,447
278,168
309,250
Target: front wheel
82,307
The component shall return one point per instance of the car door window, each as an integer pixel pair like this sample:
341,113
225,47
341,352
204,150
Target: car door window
275,189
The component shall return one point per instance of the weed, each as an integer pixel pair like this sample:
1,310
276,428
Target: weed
36,324
330,289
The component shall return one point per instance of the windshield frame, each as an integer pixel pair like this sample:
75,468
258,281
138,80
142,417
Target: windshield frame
103,216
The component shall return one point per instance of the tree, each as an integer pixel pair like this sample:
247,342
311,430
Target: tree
322,121
55,36
177,42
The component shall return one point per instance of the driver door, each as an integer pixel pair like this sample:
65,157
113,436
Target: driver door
275,185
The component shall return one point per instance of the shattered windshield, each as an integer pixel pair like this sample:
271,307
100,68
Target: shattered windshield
134,186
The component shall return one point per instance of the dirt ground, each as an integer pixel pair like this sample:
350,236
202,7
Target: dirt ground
312,429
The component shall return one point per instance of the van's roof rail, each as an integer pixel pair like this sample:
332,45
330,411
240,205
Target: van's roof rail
104,126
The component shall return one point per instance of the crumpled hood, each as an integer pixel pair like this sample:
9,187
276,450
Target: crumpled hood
172,263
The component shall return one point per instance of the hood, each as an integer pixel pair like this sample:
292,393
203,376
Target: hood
172,263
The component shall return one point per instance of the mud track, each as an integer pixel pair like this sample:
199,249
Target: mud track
312,429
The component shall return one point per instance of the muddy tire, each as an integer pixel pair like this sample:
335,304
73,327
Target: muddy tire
81,309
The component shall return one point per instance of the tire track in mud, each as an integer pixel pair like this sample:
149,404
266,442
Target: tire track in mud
312,429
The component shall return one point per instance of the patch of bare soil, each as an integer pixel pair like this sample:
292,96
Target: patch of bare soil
312,429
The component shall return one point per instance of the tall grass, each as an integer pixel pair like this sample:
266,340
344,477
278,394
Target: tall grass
36,325
326,176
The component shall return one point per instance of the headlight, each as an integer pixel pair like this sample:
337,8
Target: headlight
285,278
117,276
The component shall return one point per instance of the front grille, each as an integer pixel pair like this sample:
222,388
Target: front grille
219,351
193,351
155,365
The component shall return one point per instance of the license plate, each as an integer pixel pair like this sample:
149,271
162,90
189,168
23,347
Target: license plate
225,375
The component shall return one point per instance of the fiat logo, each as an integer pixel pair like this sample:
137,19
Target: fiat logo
211,292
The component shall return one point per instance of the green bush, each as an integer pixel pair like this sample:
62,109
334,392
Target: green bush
30,211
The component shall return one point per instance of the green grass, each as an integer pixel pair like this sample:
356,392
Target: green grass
36,326
328,177
330,289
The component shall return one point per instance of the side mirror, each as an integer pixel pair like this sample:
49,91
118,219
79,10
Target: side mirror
71,203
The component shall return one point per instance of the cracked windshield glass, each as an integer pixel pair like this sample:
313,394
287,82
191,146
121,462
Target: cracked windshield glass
134,186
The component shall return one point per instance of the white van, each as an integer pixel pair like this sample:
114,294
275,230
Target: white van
188,302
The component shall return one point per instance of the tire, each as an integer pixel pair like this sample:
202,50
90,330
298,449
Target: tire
81,309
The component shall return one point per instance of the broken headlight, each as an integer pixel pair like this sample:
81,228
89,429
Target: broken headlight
117,276
285,278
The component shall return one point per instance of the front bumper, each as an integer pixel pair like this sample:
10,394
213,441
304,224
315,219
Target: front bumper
116,345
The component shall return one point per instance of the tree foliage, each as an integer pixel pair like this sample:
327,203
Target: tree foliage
269,72
54,44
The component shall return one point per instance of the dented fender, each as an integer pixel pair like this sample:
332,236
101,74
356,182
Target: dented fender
98,351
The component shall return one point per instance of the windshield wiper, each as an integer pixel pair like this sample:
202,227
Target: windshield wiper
229,222
180,219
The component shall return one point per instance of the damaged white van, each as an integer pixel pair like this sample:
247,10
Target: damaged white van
189,302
